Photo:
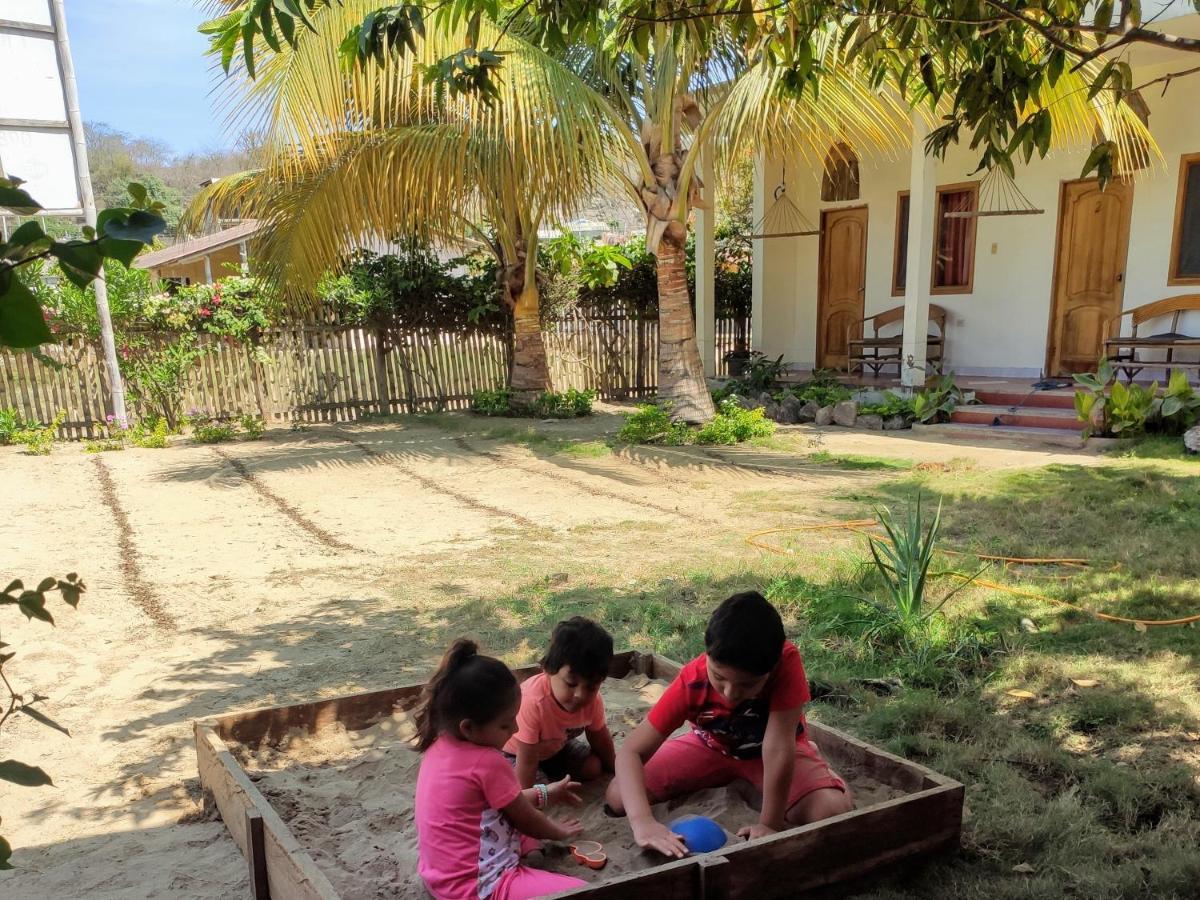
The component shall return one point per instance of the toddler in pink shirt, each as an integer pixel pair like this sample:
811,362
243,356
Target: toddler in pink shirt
474,822
561,704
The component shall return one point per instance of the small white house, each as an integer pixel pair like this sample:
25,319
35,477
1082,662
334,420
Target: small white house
1025,295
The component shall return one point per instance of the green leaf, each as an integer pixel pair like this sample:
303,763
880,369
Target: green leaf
71,591
15,585
26,241
21,321
38,716
80,262
26,776
16,200
47,584
33,605
130,225
5,854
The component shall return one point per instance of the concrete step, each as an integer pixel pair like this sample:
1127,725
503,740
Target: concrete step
1027,417
1054,437
1039,399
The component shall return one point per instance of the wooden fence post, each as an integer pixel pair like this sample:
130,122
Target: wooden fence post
381,373
261,396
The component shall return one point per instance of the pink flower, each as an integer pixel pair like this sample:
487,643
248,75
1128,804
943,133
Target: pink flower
205,312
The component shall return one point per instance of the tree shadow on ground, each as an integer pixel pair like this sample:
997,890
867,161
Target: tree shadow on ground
459,439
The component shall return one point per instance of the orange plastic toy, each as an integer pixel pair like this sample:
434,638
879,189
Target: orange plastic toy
590,854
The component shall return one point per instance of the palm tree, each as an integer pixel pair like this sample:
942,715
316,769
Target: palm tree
652,98
687,88
354,155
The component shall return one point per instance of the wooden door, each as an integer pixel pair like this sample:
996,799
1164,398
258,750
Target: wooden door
841,282
1089,272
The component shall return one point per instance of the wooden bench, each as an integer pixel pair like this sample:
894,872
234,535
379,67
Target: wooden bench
875,352
1123,352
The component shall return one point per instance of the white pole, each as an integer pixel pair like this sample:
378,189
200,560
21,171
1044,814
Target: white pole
706,247
208,279
918,274
759,253
71,94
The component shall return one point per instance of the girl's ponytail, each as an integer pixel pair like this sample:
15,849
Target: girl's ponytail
465,686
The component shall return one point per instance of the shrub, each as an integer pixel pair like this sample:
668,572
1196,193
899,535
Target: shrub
150,433
156,376
1107,406
10,424
733,425
935,404
652,424
252,427
893,405
822,388
206,430
492,403
39,441
571,404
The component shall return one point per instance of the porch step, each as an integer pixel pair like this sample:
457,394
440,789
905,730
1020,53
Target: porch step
1053,418
1055,437
1059,399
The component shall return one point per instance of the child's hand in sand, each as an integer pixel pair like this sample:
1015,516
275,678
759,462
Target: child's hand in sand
564,792
652,834
567,828
757,830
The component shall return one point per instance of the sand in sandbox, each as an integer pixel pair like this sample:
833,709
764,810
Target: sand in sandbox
348,798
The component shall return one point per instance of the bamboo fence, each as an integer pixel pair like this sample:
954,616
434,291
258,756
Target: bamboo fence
337,373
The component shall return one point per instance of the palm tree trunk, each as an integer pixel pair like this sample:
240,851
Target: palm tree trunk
530,364
680,372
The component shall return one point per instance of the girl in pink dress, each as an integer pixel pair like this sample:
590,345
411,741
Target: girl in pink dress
474,823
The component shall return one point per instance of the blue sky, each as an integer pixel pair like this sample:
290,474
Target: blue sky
141,69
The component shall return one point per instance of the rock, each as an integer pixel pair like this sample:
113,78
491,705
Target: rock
808,412
871,397
771,410
845,413
789,410
1191,439
873,423
895,423
824,416
763,398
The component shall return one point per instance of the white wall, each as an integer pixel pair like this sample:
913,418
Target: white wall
1001,327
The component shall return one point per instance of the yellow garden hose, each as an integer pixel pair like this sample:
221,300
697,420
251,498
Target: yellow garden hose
863,526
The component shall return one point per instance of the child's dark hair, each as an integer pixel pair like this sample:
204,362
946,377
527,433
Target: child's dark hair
745,632
581,644
465,686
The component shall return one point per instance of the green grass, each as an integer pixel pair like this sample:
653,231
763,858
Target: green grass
1155,447
1089,789
859,462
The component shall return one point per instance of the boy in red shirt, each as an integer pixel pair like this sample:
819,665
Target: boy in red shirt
744,697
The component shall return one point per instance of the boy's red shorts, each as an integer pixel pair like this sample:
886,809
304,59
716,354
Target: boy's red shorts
686,764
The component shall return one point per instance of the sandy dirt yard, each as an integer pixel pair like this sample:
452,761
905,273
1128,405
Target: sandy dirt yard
318,562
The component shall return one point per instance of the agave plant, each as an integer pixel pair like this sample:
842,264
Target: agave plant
903,557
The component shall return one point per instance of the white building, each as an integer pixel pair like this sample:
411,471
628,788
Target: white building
1026,295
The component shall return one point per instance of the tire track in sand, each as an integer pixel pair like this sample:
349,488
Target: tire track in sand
143,594
591,489
298,518
434,485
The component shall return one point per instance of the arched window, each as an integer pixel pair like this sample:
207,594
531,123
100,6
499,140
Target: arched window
840,181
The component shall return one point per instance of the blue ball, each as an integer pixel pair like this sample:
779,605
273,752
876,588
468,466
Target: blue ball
700,833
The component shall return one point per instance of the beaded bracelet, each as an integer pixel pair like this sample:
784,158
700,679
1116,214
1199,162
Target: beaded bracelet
543,796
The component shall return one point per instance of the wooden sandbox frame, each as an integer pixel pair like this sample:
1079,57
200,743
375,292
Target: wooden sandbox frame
926,821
